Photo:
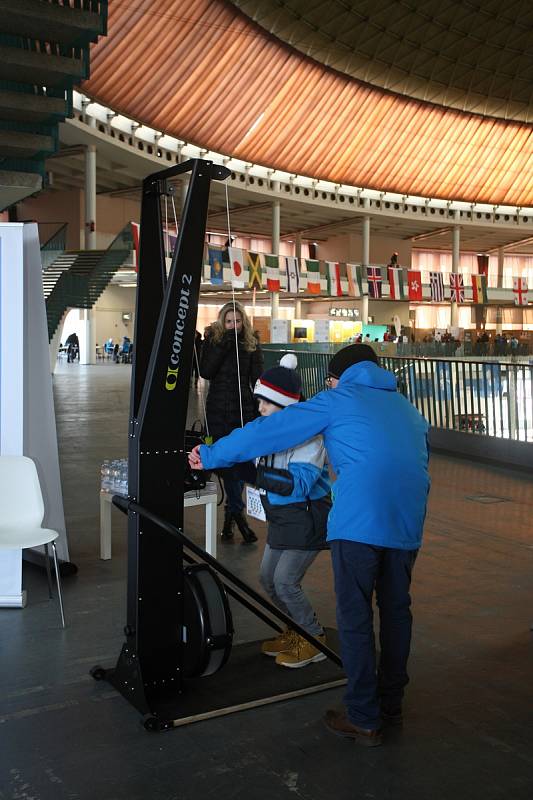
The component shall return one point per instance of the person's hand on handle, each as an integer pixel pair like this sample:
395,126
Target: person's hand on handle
195,462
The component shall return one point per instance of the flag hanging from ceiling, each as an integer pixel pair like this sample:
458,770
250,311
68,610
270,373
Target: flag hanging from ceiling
374,278
302,274
334,278
457,288
239,270
272,272
436,285
293,274
483,264
479,289
355,280
313,276
255,270
520,291
135,232
215,257
414,282
395,275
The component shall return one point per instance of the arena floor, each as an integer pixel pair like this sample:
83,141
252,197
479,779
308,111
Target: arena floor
468,730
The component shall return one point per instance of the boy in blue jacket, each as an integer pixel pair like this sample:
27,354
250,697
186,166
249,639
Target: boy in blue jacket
374,528
295,496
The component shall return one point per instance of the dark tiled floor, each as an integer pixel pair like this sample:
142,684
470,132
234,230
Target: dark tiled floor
469,711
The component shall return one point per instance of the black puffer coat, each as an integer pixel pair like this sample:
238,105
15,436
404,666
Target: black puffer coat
218,365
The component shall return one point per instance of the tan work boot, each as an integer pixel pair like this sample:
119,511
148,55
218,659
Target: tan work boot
301,653
273,647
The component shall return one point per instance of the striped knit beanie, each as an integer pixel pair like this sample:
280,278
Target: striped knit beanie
280,385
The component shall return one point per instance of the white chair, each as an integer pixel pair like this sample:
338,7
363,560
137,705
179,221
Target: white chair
22,512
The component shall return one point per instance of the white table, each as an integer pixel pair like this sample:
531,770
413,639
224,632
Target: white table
206,497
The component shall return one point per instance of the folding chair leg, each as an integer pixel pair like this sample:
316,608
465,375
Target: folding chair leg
58,580
48,570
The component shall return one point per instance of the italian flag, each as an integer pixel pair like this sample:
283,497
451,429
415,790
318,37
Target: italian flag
355,280
272,271
334,279
313,276
479,289
395,275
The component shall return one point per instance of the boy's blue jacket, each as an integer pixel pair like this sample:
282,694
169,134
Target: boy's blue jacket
376,444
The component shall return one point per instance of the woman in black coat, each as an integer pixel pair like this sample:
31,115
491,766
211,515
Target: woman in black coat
218,365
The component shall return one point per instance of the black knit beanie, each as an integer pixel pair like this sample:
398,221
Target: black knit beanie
348,356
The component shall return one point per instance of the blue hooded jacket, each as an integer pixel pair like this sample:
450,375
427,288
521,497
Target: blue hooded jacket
376,444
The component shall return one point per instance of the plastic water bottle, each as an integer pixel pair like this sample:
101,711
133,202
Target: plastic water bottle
105,476
123,477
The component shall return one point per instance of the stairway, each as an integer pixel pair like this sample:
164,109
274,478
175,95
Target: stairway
44,52
77,278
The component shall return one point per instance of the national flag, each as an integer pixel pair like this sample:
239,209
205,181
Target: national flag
374,278
457,288
313,276
293,274
479,289
302,269
255,270
215,257
414,281
395,275
272,271
355,280
334,279
436,285
136,235
520,291
239,270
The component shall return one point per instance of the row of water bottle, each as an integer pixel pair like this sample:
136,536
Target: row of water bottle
114,476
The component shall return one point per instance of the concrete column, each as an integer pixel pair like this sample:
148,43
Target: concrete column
298,309
365,261
276,234
90,197
456,243
499,284
501,256
87,336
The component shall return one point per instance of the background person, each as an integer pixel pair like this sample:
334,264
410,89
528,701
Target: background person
229,362
375,525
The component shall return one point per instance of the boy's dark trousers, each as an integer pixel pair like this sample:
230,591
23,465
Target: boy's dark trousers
360,569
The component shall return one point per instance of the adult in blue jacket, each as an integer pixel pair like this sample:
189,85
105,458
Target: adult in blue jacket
376,444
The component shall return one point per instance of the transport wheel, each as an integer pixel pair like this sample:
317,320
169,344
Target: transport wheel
98,673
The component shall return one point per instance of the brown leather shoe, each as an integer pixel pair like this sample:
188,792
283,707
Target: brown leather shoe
338,723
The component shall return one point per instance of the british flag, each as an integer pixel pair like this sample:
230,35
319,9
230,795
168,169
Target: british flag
457,288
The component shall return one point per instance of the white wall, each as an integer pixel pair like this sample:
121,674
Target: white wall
108,310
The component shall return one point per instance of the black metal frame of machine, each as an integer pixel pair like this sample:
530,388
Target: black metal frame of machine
152,668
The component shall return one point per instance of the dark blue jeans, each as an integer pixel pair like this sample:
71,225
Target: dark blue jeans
233,489
360,569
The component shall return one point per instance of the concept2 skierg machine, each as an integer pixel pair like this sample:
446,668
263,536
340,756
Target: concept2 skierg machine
178,664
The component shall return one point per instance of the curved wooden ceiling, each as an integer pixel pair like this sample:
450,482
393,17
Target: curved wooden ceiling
203,72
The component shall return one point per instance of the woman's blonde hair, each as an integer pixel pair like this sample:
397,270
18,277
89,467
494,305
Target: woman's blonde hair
217,328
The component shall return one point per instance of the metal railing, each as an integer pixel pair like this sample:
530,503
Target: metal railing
483,398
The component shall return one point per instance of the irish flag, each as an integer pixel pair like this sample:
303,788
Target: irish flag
395,275
313,276
272,271
334,279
